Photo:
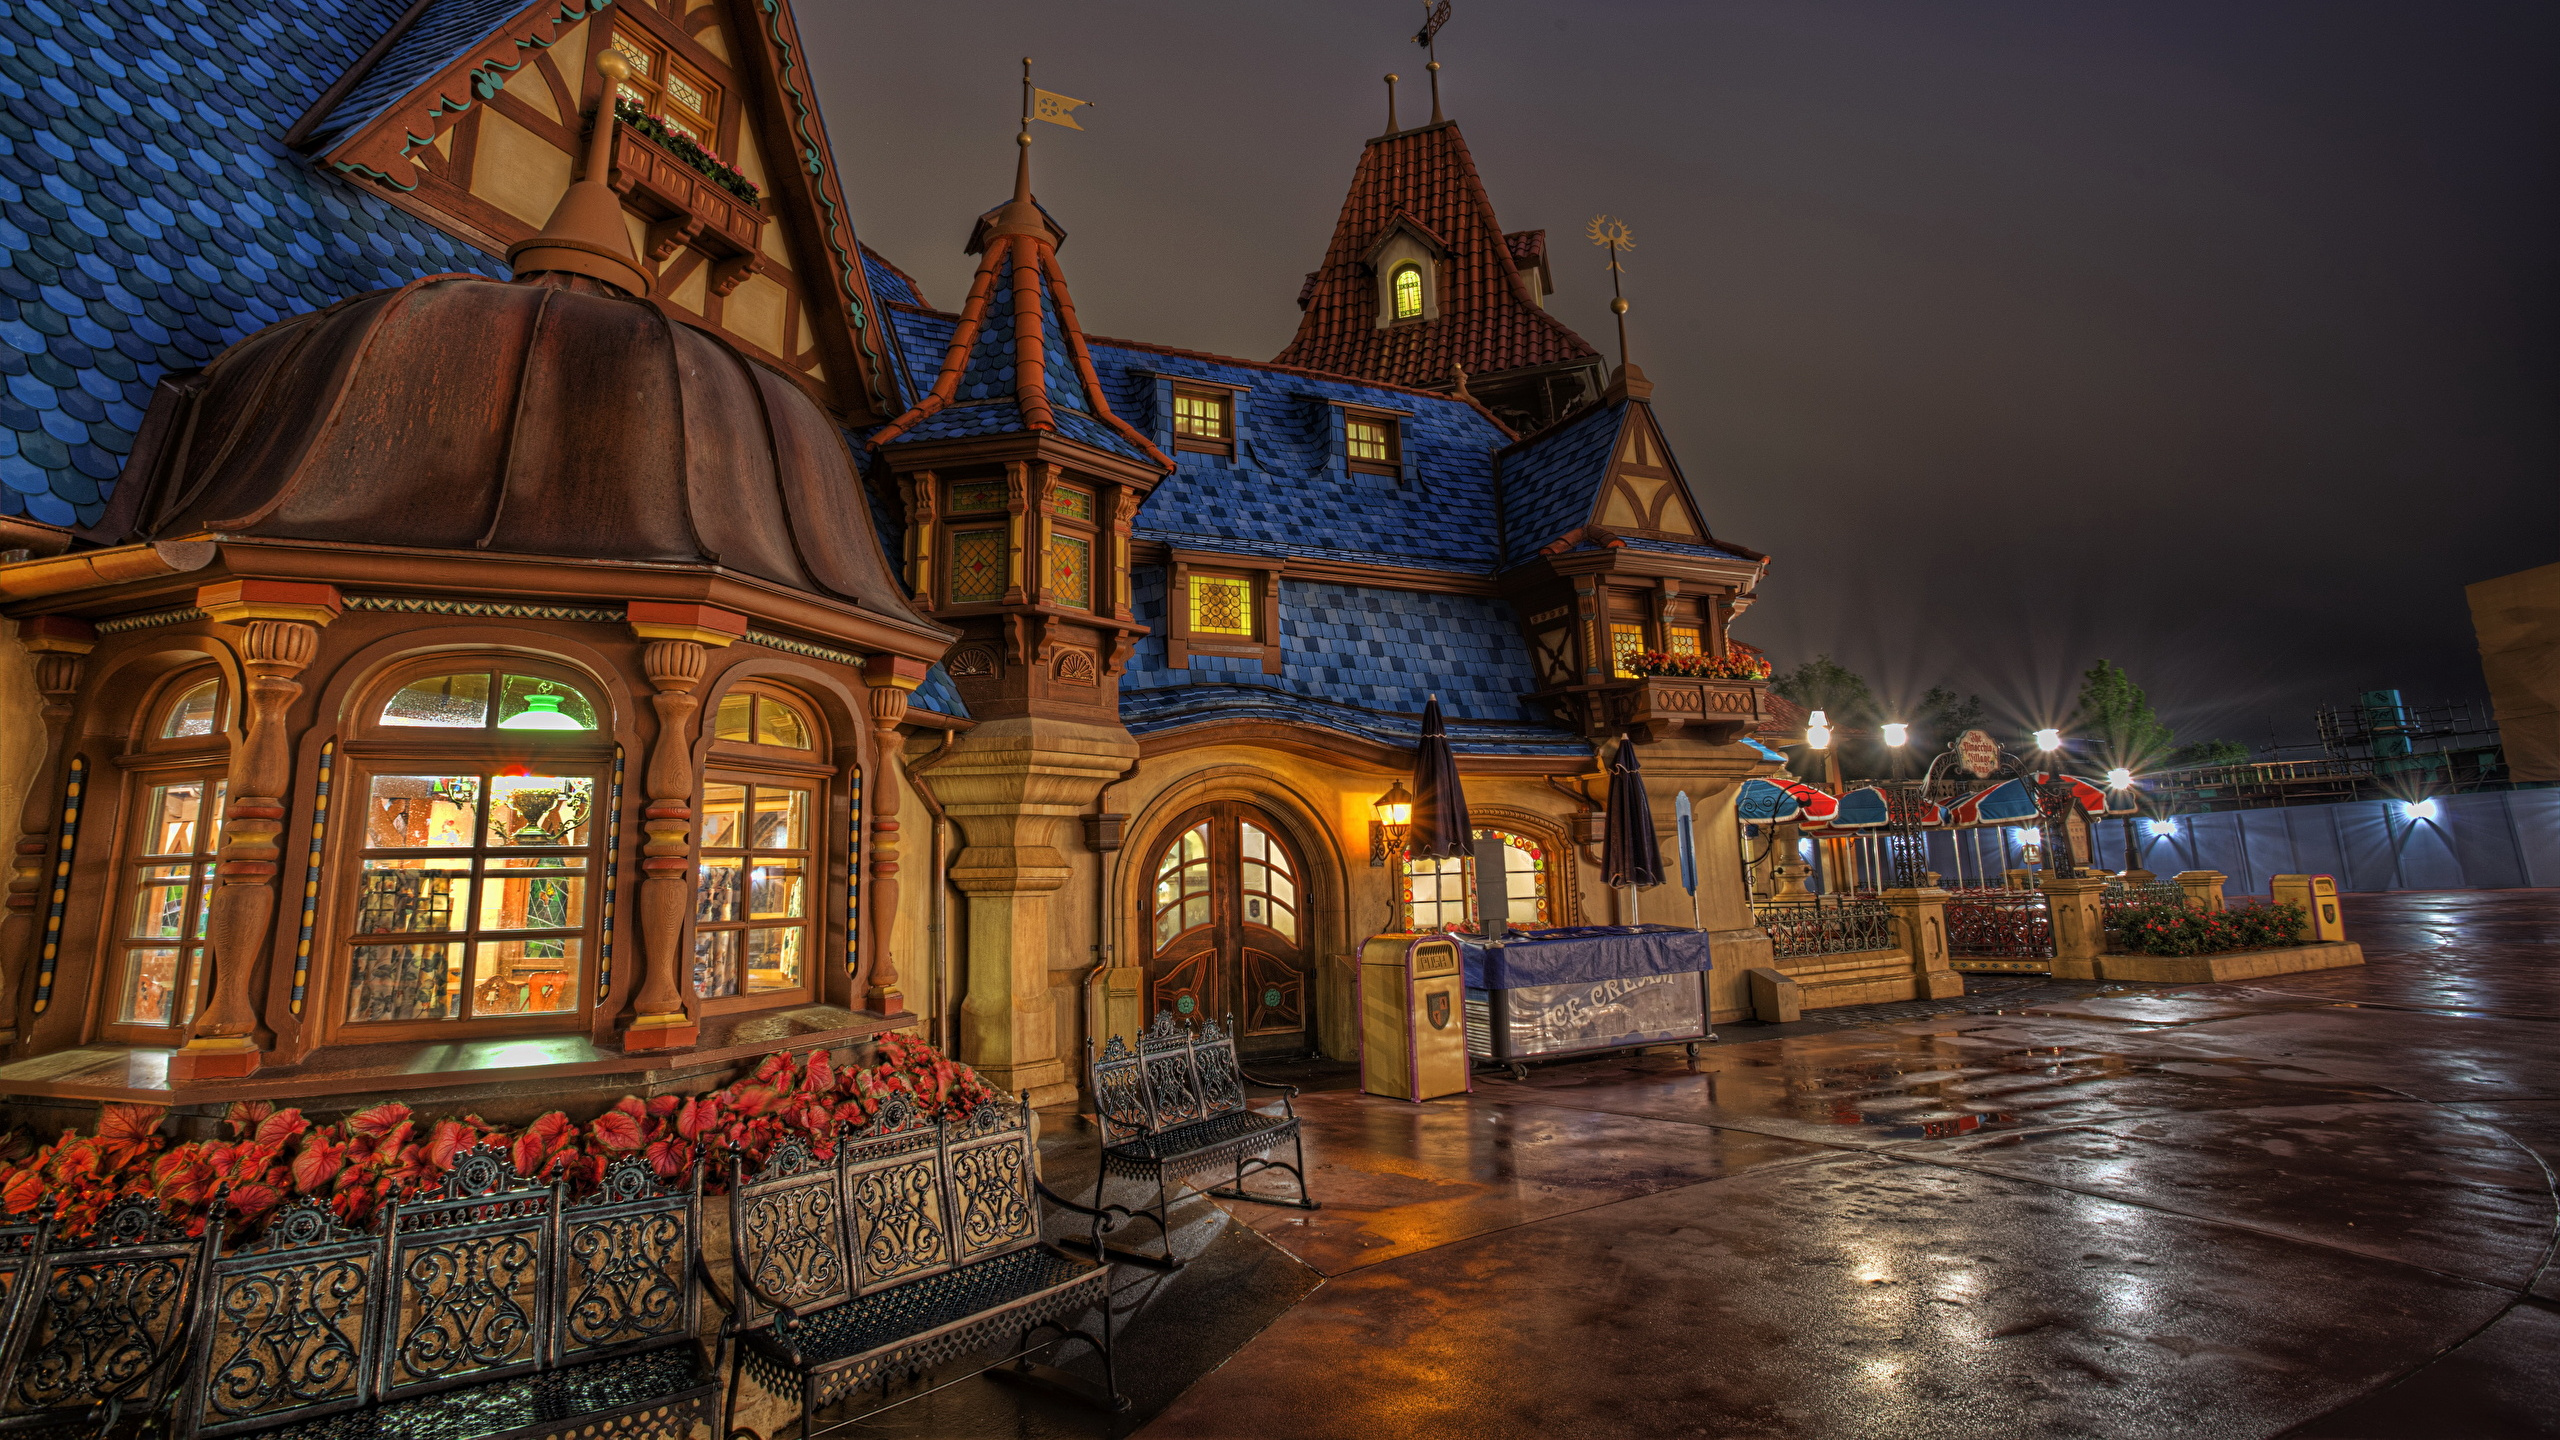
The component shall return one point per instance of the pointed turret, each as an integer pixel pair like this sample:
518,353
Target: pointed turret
1420,277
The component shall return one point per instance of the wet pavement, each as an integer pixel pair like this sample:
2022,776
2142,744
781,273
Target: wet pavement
2314,1205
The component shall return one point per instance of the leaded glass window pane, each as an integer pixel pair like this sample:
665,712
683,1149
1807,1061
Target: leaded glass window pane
1221,605
977,566
1409,292
1071,571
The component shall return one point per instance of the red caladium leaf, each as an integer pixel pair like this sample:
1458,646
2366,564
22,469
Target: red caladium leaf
698,1117
670,1158
775,1070
451,1138
616,1131
540,1140
822,1071
130,1123
319,1163
381,1120
665,1105
279,1126
244,1116
253,1200
633,1106
749,1099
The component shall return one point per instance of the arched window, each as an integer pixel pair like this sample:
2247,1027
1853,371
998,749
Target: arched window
1408,291
173,827
478,857
1182,885
758,871
1440,894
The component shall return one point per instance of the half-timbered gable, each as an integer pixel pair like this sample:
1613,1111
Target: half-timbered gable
473,115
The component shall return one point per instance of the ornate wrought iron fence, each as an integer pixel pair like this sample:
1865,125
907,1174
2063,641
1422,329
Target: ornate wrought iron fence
2158,893
2002,924
1827,924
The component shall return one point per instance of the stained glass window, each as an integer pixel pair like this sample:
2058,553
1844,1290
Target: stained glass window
1069,503
1681,639
977,566
1221,605
668,89
753,717
1440,894
1369,440
1201,417
1071,571
1625,643
977,497
1409,292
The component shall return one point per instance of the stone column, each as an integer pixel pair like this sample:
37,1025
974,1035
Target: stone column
892,679
281,621
1012,786
2203,887
60,646
1921,915
2079,925
678,653
1712,774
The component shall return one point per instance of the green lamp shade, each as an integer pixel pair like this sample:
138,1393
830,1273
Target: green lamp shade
541,712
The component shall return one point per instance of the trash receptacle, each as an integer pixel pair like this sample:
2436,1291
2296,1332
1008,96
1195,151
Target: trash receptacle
2317,895
1413,1032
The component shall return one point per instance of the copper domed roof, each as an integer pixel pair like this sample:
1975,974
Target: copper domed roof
552,416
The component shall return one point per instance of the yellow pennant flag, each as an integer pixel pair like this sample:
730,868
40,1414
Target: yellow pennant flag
1055,108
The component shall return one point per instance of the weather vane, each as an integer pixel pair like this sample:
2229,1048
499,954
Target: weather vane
1428,37
1612,235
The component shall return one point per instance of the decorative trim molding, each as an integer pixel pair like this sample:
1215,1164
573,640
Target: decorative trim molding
148,620
612,875
483,609
74,791
806,648
311,877
853,877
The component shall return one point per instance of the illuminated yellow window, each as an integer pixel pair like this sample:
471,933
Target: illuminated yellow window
1409,293
1682,640
680,98
1071,571
1625,643
1221,605
1371,440
1200,417
977,566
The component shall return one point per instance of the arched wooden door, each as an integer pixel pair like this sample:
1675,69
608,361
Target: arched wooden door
1226,925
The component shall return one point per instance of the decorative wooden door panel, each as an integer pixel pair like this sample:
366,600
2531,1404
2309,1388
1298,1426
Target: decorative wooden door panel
1226,927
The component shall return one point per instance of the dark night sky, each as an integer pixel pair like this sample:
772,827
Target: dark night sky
2213,338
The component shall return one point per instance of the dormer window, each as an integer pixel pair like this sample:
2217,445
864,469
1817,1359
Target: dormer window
1370,444
680,97
1204,420
1408,292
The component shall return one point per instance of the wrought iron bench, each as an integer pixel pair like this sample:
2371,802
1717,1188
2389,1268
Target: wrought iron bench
919,1243
95,1328
493,1308
1174,1108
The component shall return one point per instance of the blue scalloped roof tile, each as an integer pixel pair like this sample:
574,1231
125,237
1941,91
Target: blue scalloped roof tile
445,33
939,695
147,220
1552,482
888,285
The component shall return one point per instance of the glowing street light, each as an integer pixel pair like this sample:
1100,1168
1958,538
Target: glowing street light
1897,734
2419,809
2164,829
2119,778
2048,740
1817,731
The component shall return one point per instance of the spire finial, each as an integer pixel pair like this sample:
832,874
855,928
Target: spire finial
586,234
1433,17
1613,236
1391,103
1021,216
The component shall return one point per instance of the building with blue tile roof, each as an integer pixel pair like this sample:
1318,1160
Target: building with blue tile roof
372,378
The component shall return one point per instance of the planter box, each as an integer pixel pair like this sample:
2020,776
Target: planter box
1720,711
688,208
2231,965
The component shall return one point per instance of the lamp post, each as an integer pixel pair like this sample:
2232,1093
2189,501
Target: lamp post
2120,779
2053,802
1387,832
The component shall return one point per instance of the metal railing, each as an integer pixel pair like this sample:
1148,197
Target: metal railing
1827,924
2159,892
1999,924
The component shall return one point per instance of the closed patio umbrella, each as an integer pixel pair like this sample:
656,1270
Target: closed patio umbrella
1630,853
1439,829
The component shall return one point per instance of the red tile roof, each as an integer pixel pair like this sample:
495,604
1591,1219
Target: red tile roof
1486,323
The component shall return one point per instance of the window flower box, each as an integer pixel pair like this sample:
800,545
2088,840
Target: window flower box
688,207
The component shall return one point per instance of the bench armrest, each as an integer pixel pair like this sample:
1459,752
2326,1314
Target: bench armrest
711,1286
1287,1093
1105,1219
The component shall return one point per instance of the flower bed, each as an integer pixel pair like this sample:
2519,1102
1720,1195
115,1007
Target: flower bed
1697,667
682,146
365,1159
2168,929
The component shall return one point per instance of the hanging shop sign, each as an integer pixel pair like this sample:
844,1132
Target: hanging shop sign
1979,753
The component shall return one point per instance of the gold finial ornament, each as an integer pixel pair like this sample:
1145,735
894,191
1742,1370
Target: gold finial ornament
586,234
1392,77
1611,234
1433,17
